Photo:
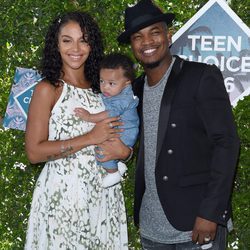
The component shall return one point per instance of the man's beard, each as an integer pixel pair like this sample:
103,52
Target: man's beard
152,65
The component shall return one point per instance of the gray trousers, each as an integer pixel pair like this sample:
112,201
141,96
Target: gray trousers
219,243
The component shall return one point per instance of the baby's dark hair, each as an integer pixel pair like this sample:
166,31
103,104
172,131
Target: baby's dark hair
51,65
118,60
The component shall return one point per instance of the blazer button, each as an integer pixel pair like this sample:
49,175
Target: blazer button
224,216
173,125
165,178
170,151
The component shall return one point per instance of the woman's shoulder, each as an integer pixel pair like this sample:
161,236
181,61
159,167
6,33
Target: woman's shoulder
46,91
44,88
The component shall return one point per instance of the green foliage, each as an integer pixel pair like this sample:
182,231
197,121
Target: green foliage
241,194
128,190
23,27
242,8
16,185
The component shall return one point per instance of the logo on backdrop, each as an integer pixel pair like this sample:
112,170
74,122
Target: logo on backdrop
19,99
216,35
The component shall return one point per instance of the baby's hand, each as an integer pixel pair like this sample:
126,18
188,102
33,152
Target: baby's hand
82,113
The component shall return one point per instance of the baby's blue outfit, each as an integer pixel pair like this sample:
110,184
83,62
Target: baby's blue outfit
123,105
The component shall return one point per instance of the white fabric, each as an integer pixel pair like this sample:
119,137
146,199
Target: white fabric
70,210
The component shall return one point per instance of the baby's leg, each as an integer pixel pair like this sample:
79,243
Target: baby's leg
111,170
111,179
122,168
113,175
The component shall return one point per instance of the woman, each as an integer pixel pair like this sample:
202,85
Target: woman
70,209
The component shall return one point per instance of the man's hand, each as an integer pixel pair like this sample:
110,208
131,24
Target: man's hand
105,130
113,149
203,231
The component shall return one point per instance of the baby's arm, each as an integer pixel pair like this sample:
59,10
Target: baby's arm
86,116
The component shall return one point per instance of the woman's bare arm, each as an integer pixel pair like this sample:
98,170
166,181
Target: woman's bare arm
39,148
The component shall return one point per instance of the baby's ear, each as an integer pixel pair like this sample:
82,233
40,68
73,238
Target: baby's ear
127,82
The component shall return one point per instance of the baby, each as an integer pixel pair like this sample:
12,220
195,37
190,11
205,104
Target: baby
116,76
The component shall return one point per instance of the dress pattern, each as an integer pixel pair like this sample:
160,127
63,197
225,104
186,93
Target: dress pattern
70,210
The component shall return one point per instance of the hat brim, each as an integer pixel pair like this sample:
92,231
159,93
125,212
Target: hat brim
125,36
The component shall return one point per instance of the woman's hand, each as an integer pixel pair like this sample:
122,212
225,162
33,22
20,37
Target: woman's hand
114,149
105,130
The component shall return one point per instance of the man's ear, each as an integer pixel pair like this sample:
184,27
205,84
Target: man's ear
169,38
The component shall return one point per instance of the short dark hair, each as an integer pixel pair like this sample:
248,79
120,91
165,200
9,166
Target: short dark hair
118,60
51,64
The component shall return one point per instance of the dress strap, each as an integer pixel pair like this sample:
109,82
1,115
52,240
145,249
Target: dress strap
62,81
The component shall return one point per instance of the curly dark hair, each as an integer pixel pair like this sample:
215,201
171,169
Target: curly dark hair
118,60
51,64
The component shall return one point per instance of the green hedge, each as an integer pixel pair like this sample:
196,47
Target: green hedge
241,194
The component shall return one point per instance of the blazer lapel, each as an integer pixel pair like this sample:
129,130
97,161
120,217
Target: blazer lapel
167,99
138,87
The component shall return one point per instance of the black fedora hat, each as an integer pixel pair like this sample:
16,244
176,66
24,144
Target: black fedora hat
141,15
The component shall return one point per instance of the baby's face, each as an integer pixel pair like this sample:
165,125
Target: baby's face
112,81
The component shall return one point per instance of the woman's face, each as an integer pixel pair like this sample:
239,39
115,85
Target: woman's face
73,46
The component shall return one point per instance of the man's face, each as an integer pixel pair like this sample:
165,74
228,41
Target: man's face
151,44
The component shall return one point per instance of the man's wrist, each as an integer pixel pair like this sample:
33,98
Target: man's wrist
129,156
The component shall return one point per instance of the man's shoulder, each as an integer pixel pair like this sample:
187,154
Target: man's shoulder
197,65
138,84
140,79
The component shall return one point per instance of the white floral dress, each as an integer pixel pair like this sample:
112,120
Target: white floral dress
70,210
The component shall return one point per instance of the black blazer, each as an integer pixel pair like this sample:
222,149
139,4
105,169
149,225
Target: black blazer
197,147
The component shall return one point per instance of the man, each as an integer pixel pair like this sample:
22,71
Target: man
188,141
